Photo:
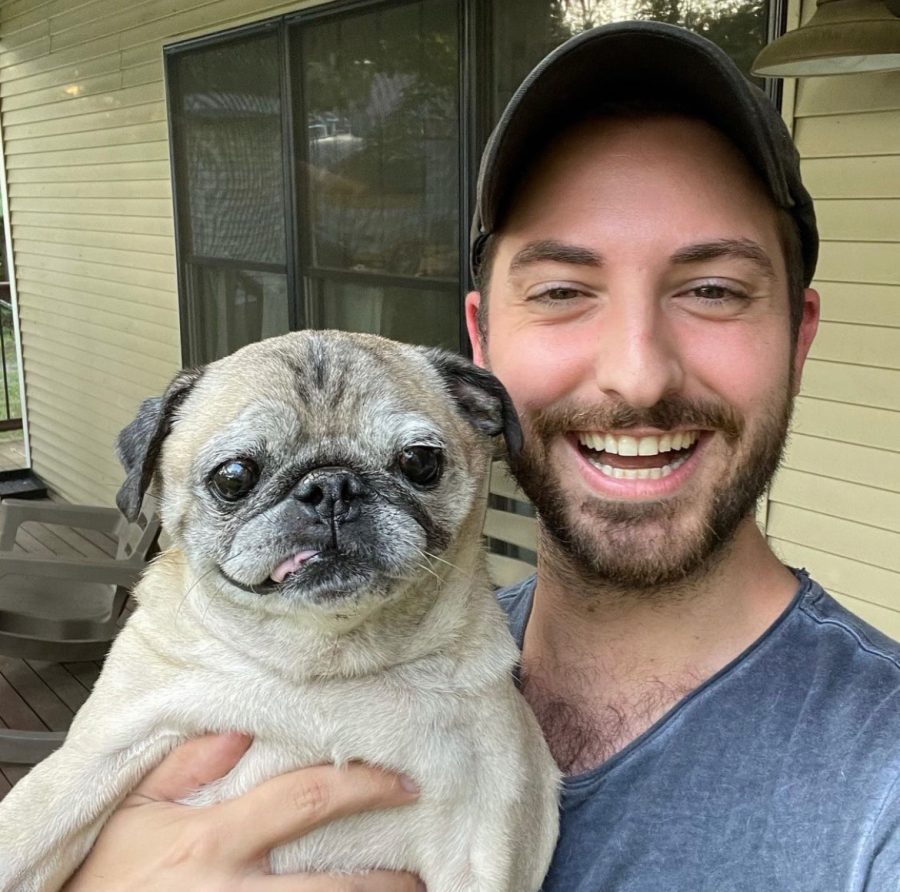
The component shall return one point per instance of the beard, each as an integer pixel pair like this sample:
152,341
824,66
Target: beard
648,545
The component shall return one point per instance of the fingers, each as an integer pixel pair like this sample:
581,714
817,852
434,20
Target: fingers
293,804
190,766
373,881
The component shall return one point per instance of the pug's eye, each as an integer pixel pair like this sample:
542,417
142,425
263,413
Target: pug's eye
422,465
234,479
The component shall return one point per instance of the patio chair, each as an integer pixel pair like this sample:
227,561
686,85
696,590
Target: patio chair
65,609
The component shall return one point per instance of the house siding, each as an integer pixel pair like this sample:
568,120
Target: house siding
835,505
85,138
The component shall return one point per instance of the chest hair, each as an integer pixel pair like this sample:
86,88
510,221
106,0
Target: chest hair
585,729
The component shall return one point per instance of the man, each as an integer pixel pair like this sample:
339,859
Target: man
643,246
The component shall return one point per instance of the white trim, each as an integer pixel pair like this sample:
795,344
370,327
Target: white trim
789,85
14,299
788,106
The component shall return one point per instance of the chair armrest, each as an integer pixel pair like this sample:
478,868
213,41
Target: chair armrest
88,516
15,512
80,570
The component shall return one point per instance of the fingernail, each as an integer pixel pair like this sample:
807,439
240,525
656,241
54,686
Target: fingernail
409,785
420,887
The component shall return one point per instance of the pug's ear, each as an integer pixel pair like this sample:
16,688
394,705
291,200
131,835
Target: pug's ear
140,443
481,398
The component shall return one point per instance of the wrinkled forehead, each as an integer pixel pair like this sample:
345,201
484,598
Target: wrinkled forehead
315,391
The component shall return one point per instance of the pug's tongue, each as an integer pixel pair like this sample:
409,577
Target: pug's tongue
292,564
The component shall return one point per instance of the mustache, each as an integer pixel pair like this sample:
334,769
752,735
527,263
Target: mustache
669,413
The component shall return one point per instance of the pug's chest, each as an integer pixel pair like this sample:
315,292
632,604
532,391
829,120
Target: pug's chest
437,738
379,720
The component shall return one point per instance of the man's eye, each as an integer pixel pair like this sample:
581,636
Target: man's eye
557,294
717,294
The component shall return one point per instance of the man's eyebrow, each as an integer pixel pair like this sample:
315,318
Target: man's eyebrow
559,252
744,249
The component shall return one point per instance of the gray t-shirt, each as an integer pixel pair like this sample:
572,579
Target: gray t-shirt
782,772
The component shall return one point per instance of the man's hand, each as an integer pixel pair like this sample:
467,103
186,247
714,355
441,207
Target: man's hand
152,844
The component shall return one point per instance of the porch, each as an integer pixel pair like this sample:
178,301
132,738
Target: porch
37,695
12,450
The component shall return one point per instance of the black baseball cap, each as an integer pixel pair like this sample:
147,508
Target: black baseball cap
668,66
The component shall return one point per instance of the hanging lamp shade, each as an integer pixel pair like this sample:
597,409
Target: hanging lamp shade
842,37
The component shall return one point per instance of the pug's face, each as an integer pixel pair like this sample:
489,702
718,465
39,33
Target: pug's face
323,469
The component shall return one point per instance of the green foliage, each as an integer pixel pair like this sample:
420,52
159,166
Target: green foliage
737,26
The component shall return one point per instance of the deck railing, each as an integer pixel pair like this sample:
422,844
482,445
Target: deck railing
10,400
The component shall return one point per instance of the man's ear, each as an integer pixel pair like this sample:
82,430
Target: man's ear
476,335
809,324
479,396
140,443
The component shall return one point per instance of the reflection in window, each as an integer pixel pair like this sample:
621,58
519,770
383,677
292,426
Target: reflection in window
231,130
233,307
380,102
230,188
524,31
416,316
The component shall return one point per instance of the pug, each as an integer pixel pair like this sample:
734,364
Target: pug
326,593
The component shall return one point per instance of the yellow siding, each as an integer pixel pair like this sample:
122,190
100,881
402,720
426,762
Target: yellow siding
835,507
85,139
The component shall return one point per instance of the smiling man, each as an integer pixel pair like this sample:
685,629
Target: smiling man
643,247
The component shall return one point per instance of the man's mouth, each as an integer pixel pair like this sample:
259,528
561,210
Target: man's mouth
627,457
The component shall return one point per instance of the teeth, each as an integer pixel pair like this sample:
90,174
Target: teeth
626,445
641,473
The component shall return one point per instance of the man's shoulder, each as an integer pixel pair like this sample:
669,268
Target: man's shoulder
845,636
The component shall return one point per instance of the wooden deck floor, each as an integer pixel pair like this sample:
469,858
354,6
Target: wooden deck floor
12,451
44,696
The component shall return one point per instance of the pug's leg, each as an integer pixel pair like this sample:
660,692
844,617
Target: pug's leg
502,838
482,850
50,819
472,872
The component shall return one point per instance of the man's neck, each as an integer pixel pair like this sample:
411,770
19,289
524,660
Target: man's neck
602,664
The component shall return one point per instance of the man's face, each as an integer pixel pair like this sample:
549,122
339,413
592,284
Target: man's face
638,315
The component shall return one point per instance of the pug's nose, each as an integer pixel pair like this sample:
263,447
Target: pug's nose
332,494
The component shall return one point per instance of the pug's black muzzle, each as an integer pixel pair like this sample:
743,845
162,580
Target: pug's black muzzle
330,496
325,512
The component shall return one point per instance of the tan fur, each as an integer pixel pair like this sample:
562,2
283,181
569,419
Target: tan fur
418,681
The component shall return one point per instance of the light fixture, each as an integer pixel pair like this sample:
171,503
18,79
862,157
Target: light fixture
842,37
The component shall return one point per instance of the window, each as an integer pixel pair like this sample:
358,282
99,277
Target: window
377,129
324,162
228,146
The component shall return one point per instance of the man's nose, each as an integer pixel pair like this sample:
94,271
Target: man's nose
638,358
